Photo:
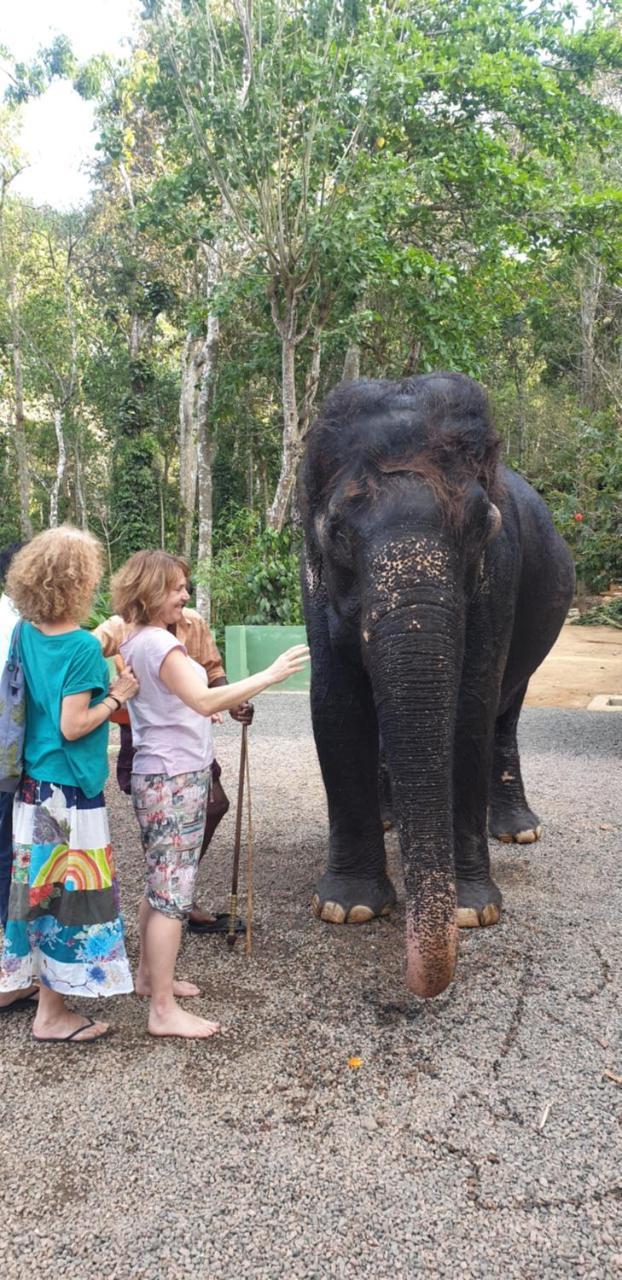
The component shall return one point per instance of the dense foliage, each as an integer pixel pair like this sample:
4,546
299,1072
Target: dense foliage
254,576
289,194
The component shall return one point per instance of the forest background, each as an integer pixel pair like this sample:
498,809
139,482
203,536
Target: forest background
292,193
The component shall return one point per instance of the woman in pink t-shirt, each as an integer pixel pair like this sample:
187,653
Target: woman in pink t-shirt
171,729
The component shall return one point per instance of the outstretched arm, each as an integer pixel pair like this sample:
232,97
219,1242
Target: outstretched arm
179,676
244,712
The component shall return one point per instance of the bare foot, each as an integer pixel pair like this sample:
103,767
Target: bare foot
66,1025
181,988
176,1022
20,998
142,987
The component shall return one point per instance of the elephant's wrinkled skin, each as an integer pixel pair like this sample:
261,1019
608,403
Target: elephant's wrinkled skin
434,586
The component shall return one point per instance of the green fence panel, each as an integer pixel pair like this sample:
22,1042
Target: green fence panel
252,649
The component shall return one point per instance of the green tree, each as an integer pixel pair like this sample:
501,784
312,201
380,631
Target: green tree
378,148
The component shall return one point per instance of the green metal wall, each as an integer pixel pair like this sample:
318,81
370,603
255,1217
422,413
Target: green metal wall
252,649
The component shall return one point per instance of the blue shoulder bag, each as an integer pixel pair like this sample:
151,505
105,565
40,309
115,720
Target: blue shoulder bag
12,716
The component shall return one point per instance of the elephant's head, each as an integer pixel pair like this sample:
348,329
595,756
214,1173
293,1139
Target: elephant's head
398,496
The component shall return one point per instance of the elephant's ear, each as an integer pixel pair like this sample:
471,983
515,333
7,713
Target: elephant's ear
494,522
333,536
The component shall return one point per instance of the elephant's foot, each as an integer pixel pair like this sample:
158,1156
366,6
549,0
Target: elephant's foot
514,824
479,903
352,899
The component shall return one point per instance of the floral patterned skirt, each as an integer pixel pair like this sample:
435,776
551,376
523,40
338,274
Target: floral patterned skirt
171,817
64,923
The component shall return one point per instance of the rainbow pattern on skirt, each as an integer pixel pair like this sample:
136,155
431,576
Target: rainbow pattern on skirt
64,923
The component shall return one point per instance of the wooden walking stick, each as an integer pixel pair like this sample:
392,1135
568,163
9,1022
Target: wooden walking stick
233,905
248,945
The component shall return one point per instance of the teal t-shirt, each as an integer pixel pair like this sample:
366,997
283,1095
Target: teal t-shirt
54,667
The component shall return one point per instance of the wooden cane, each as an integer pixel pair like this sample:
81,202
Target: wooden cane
248,944
233,906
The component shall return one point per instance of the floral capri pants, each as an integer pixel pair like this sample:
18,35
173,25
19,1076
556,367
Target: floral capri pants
171,817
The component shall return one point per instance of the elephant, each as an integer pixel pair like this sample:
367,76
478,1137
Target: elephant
434,584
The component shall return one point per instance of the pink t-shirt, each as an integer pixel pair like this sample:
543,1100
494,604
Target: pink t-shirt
169,737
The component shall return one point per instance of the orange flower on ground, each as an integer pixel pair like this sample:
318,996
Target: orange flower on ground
355,1063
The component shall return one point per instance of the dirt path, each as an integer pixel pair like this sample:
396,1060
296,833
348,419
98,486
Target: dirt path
585,661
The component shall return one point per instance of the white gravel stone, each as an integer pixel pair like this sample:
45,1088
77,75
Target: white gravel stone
261,1153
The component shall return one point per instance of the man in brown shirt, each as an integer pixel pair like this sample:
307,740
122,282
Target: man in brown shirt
194,633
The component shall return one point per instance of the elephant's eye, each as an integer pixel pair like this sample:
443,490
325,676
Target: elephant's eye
342,547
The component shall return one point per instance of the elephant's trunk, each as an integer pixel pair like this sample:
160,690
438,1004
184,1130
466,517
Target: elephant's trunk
413,647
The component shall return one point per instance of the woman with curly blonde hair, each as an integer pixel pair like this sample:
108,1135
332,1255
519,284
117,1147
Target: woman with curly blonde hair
64,925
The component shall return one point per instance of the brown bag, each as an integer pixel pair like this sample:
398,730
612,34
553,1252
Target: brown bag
217,801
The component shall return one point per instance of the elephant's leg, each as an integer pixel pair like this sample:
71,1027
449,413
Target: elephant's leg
479,898
355,886
510,817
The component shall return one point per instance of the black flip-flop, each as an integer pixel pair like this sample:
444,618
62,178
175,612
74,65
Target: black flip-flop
71,1038
22,1002
220,924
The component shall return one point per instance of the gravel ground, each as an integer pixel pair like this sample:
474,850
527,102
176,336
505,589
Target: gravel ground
480,1137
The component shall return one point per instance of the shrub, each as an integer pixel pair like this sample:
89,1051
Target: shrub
581,483
607,614
100,609
254,576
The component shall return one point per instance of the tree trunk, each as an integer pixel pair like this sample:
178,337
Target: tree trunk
291,440
521,412
263,486
60,468
19,433
295,423
312,382
73,392
251,479
192,357
162,516
411,366
590,291
352,363
80,500
206,365
206,457
106,533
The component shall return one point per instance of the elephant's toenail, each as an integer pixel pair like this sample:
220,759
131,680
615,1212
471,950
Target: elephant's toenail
490,914
360,915
333,913
467,918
